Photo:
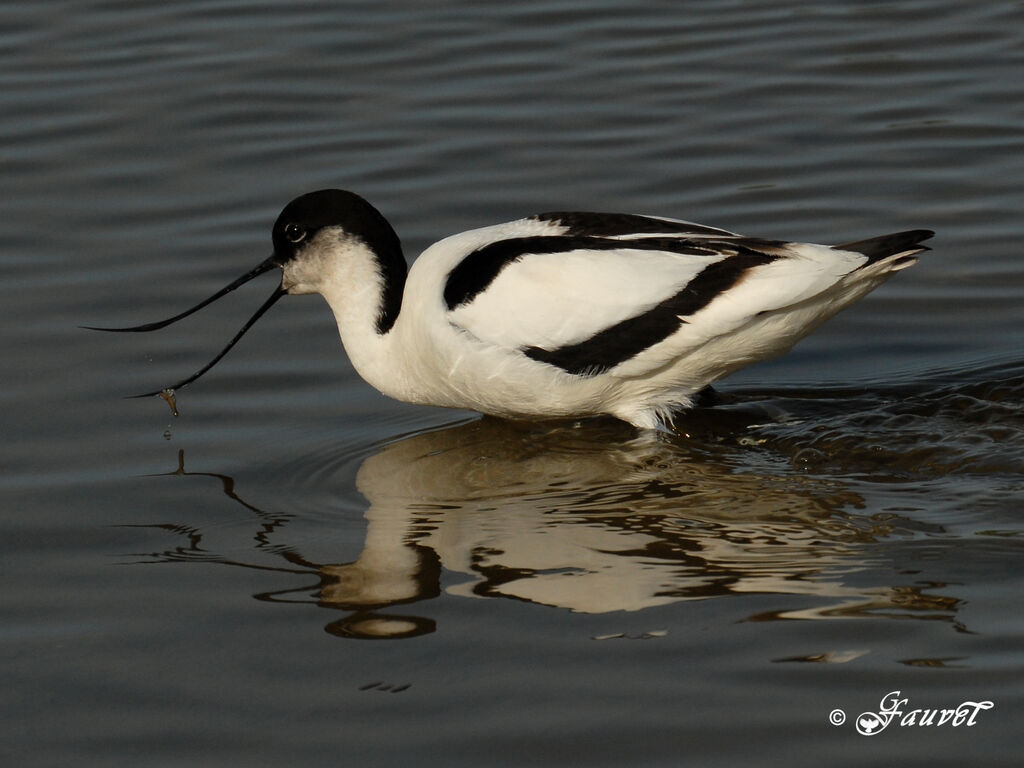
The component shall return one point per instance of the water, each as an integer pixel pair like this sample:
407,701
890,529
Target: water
298,569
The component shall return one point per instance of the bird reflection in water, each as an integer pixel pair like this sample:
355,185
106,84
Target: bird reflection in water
587,517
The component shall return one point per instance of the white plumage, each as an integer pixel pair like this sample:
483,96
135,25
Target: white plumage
561,314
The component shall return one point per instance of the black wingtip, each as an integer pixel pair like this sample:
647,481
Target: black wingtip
883,246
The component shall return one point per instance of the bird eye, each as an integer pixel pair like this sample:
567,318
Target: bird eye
295,233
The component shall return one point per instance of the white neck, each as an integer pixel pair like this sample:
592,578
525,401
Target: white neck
379,358
353,278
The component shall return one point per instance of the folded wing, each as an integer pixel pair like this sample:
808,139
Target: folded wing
597,297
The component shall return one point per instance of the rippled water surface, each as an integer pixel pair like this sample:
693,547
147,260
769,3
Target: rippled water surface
298,570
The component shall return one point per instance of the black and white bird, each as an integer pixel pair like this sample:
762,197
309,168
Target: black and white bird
560,314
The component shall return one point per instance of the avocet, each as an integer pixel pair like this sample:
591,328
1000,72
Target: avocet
559,314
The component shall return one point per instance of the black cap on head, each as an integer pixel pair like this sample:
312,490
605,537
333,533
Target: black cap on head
307,214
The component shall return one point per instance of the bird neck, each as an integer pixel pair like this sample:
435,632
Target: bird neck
393,272
366,309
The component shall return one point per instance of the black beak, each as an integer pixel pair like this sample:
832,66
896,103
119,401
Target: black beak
265,266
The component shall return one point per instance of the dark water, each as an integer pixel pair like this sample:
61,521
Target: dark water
299,570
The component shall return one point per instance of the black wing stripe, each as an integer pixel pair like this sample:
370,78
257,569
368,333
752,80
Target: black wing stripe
628,338
478,270
619,224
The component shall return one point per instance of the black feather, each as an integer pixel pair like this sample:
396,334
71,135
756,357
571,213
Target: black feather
883,246
630,337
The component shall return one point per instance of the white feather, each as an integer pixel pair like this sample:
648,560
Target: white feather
554,299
